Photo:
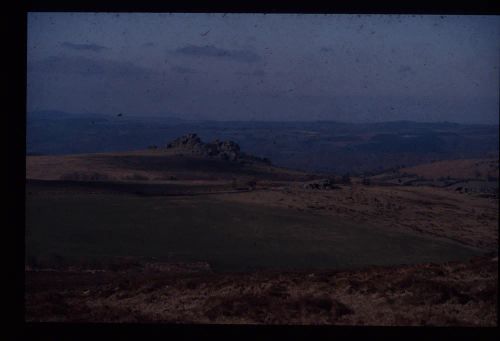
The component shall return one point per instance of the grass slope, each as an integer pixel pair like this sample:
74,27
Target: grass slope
229,235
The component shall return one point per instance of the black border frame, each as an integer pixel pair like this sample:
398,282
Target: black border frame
16,148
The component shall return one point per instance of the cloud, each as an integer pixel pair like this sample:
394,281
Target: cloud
183,70
149,44
256,73
245,56
83,47
88,67
406,70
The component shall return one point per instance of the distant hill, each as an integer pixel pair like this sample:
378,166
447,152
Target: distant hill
313,146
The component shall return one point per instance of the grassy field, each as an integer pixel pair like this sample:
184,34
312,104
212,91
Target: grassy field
63,228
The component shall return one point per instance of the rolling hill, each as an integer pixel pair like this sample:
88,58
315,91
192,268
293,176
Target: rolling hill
465,169
191,160
312,146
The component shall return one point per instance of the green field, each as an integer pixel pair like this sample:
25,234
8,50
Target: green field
230,236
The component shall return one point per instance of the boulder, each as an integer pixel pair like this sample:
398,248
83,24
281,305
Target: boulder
186,141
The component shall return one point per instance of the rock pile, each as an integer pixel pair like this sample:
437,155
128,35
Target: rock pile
321,184
226,150
191,141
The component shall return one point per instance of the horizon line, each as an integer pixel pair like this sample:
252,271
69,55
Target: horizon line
156,116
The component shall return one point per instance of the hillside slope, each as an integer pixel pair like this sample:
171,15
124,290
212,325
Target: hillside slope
186,158
477,169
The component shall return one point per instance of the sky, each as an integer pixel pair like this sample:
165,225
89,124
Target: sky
278,67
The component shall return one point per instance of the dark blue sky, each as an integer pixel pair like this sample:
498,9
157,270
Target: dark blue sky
359,68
